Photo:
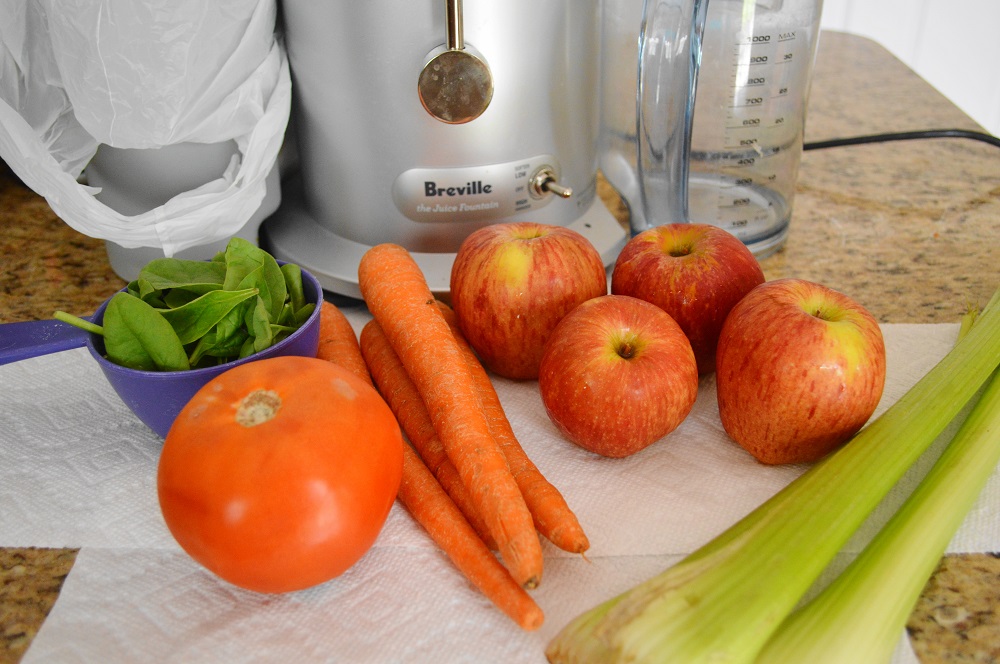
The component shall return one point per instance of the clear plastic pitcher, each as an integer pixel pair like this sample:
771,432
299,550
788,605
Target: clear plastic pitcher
703,111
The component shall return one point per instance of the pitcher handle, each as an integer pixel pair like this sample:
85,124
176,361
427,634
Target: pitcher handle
669,59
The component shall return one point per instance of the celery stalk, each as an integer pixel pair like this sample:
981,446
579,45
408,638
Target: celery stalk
723,602
861,615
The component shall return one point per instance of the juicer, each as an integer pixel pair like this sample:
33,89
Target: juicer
419,122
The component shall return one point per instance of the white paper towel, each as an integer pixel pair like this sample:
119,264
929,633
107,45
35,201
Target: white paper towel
78,469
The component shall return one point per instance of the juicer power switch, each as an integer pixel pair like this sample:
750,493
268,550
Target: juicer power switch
544,182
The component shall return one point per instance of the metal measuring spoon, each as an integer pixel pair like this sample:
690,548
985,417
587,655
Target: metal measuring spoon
455,86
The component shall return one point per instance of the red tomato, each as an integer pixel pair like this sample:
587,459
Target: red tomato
279,474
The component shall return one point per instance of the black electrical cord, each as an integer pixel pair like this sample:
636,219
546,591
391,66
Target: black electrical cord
905,136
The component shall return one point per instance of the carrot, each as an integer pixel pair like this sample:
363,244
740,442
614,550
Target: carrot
401,394
398,297
338,343
553,517
431,507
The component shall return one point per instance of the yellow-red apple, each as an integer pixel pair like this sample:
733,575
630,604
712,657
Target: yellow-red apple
694,272
800,369
617,375
512,283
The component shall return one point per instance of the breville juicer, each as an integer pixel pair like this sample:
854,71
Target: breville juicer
418,122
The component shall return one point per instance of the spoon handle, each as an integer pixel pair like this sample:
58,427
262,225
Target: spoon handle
20,341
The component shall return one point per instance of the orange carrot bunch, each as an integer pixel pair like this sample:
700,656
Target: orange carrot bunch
398,297
466,479
404,400
338,343
553,517
420,491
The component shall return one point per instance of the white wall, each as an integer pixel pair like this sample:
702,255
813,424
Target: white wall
953,44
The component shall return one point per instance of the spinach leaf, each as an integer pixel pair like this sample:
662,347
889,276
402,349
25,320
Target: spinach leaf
302,315
145,291
191,275
286,316
215,347
178,297
241,258
138,337
239,303
266,285
249,266
196,318
247,349
225,341
293,284
259,325
229,348
233,322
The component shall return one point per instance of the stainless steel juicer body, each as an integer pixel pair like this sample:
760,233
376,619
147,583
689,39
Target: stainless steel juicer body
377,166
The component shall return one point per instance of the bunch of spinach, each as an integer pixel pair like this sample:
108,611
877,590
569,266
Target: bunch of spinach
184,314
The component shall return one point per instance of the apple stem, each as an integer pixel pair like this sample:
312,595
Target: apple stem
626,350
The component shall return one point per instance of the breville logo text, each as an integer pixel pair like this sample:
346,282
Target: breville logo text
469,189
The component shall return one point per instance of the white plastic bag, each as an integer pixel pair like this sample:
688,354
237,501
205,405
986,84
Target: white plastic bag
132,74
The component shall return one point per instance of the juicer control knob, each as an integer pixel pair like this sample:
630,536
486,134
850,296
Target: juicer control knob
544,182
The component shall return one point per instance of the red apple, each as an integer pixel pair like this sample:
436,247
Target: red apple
694,272
617,375
511,283
800,369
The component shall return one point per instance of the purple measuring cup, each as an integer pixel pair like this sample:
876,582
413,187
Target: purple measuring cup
156,397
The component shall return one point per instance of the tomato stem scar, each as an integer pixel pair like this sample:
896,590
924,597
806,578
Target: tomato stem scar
258,407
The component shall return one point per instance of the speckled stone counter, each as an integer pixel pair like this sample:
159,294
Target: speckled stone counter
911,229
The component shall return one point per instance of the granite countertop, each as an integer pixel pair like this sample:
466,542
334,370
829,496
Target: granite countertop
911,229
